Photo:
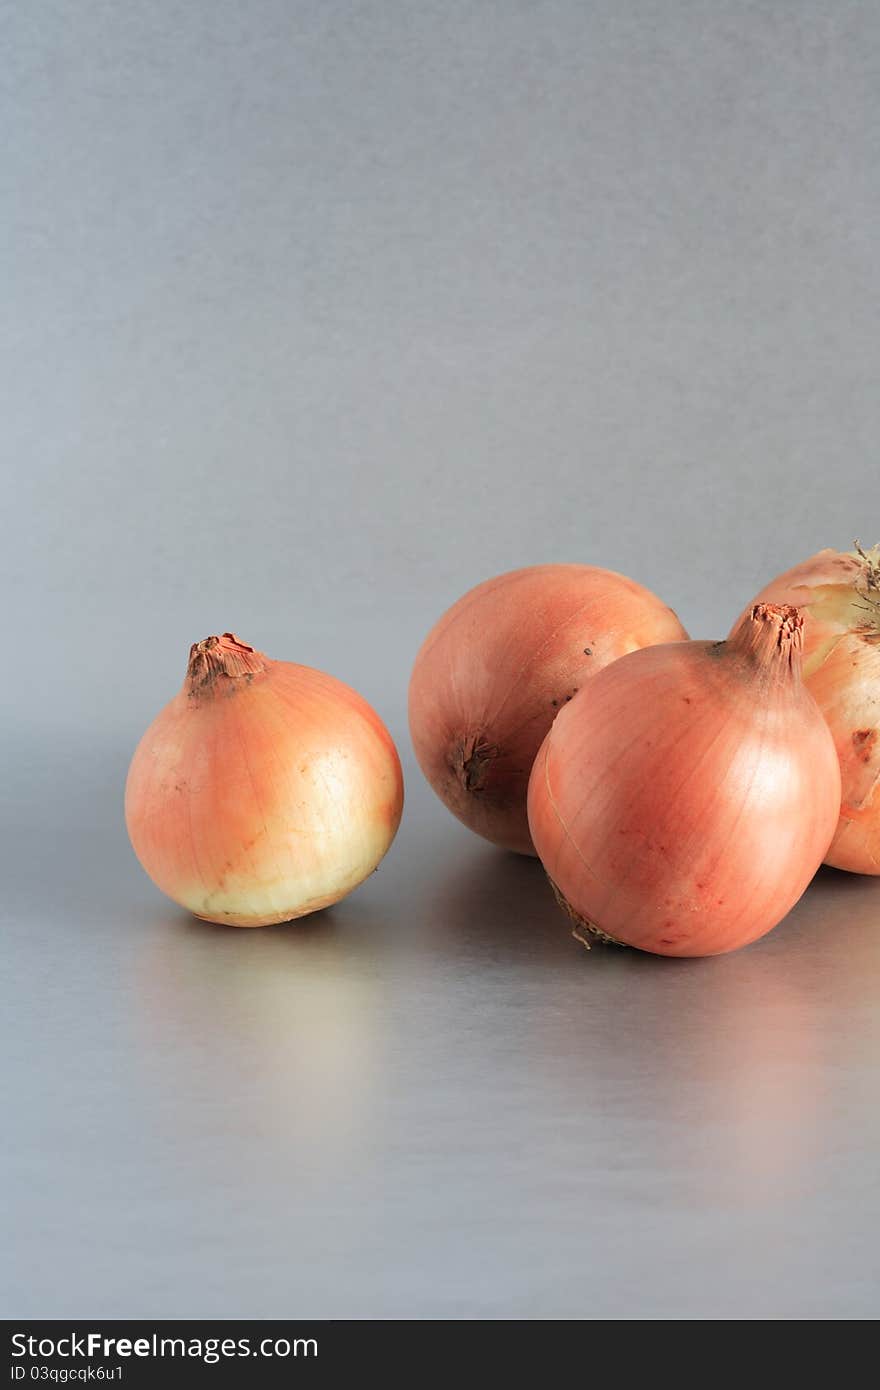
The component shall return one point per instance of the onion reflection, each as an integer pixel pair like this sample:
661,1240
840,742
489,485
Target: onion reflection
726,1072
273,1029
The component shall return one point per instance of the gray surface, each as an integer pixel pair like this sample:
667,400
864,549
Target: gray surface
314,316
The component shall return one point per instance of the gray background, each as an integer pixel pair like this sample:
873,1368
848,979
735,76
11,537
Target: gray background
313,316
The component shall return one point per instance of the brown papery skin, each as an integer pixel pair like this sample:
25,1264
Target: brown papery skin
683,801
494,672
839,595
263,791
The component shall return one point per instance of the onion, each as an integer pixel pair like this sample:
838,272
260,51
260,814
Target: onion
840,598
498,666
684,800
263,791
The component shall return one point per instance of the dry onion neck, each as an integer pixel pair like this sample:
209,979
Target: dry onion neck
868,588
222,660
844,609
770,632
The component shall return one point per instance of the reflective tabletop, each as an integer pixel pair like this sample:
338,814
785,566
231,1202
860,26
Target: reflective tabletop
429,1101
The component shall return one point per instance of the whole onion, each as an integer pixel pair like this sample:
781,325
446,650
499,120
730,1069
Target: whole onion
494,672
839,595
263,791
682,802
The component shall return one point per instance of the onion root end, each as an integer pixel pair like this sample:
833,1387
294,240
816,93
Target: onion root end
583,930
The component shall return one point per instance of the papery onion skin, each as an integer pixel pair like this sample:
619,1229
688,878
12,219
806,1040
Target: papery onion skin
683,801
839,595
263,791
493,673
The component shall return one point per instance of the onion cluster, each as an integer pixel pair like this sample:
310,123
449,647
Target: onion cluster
680,794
